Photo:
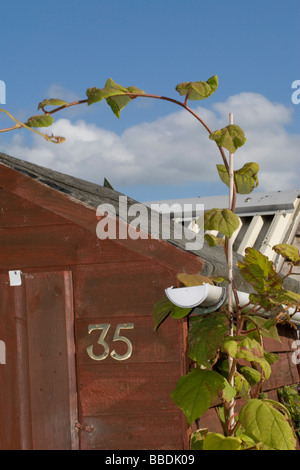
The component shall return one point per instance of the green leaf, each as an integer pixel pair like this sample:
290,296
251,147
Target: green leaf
259,271
212,240
275,300
248,442
198,90
216,441
180,312
289,252
222,220
220,279
197,439
279,406
242,385
267,328
263,300
40,120
98,94
51,102
163,307
161,310
252,376
264,423
230,137
205,338
286,297
223,367
190,280
245,179
271,357
117,103
248,349
115,95
196,392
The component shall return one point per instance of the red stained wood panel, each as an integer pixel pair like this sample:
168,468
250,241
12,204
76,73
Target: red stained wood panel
284,372
112,289
38,399
15,429
135,389
147,345
287,335
17,212
51,360
56,245
125,389
137,432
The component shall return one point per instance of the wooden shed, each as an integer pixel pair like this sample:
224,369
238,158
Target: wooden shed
80,364
84,368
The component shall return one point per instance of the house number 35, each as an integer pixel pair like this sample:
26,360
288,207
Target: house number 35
104,327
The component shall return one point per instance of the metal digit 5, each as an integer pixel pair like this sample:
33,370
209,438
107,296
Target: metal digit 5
117,337
104,327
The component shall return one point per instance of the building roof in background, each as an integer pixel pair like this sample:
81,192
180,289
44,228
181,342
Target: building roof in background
262,203
266,219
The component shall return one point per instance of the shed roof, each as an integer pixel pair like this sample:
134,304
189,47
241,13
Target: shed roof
77,200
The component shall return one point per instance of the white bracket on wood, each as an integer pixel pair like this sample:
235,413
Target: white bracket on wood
2,352
15,277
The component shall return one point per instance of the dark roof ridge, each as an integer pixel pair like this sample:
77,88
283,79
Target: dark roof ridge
58,180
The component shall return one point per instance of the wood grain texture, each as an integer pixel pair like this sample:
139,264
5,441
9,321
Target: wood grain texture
15,428
38,400
137,432
127,393
56,245
52,384
18,212
130,288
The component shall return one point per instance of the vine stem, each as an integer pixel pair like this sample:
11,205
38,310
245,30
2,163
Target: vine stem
19,125
232,363
132,96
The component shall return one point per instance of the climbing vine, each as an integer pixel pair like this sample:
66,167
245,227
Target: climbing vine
226,347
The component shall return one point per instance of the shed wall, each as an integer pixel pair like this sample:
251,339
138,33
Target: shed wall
72,282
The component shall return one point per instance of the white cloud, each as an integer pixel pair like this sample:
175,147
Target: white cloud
174,149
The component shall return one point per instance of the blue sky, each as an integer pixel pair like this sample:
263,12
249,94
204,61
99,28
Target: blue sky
154,151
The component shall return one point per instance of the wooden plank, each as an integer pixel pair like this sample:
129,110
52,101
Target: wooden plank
56,245
18,212
113,289
284,372
141,383
51,366
210,420
287,335
146,345
123,389
15,428
137,432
